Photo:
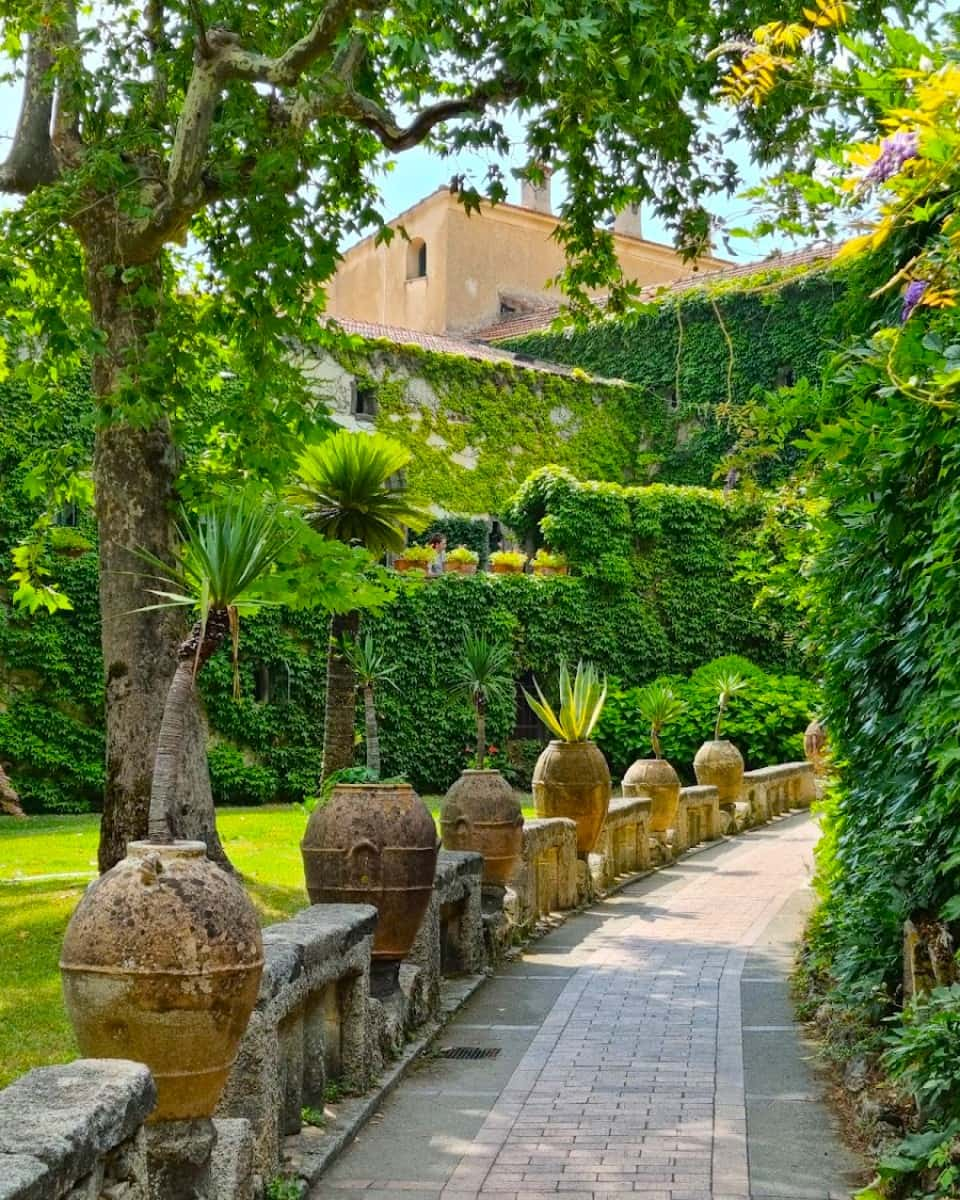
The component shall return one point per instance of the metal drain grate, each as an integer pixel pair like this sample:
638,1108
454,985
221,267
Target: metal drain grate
469,1052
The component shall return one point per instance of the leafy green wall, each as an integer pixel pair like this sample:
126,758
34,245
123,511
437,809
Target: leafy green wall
508,419
694,353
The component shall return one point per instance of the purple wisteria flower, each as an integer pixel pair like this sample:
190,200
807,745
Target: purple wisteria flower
894,152
912,298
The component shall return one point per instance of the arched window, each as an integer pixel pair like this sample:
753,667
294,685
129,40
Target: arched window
416,259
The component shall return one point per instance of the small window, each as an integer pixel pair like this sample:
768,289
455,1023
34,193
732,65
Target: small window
364,402
68,514
417,259
261,683
670,398
786,377
397,482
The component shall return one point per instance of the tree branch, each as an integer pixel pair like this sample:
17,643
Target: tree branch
396,137
31,163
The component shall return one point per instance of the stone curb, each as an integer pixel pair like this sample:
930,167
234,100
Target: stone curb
312,1151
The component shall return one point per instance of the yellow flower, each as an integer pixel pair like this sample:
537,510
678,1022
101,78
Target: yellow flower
939,298
829,14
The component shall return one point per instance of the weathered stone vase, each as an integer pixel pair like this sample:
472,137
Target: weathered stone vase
815,746
720,764
571,779
374,843
481,812
161,964
656,778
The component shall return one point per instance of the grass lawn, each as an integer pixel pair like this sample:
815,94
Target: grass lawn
263,843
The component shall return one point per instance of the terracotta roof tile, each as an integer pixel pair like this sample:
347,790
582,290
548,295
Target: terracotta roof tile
440,343
541,319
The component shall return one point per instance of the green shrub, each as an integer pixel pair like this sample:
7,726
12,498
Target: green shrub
766,721
236,781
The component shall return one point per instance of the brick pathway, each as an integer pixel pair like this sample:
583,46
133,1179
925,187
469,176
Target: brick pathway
632,1083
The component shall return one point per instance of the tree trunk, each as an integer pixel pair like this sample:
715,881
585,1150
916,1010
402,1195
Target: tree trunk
481,732
339,716
9,800
134,476
373,736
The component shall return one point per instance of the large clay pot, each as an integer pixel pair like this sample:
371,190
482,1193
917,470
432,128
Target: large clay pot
815,746
374,843
459,568
654,777
571,779
720,764
539,569
161,964
481,812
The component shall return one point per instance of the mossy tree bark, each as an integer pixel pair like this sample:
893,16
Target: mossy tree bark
339,716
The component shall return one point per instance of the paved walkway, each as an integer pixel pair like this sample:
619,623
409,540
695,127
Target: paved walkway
645,1048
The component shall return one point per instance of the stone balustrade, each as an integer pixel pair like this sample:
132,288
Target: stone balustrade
76,1132
545,879
624,844
309,1025
771,791
698,818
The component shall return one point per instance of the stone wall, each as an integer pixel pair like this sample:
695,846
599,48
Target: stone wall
771,791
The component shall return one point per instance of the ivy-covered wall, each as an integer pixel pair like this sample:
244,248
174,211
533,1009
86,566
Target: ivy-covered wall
657,597
477,428
693,353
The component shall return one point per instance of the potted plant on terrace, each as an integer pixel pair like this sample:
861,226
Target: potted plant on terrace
507,562
719,762
480,811
415,558
571,778
461,560
545,562
658,705
162,958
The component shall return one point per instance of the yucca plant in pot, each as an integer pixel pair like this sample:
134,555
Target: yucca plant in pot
480,811
571,778
718,762
658,705
162,958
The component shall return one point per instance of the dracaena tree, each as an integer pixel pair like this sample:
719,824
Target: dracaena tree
230,147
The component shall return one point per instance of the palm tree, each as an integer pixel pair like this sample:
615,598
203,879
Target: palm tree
370,668
343,486
483,673
225,553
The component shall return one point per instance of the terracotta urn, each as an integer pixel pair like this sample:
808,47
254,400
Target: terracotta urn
656,778
374,843
481,812
459,568
538,569
720,764
815,746
161,964
571,779
507,568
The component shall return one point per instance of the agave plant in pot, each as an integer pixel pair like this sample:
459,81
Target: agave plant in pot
658,705
162,958
571,778
480,811
718,762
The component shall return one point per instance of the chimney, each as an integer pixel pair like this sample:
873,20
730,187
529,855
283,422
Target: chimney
628,221
534,196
